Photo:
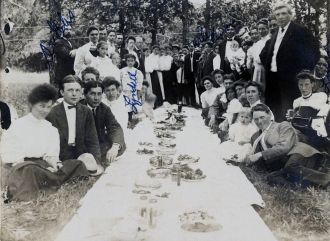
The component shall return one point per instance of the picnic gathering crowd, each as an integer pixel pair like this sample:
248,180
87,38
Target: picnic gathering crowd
264,91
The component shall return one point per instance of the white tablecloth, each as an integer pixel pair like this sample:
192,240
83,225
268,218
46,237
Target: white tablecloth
110,211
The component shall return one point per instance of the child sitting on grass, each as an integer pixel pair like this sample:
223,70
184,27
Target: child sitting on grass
240,134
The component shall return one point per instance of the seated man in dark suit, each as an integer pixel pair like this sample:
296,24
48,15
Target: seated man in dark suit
110,133
75,123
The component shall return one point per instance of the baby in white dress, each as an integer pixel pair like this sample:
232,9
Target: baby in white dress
240,134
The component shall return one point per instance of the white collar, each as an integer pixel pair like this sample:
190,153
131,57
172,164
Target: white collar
66,105
285,28
307,96
255,103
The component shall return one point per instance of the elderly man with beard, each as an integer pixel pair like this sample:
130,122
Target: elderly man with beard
64,54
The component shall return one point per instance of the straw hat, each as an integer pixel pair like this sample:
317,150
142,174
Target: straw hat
92,166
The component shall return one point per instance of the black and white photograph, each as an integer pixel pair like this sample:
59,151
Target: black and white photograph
164,120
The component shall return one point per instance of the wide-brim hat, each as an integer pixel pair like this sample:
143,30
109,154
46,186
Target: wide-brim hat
92,166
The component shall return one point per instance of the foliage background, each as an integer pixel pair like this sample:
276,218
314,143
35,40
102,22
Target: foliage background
158,21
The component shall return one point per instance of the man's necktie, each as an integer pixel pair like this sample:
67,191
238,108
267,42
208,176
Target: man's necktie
71,106
282,30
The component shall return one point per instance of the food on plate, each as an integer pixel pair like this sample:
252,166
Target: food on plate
144,151
187,173
161,122
185,158
142,143
165,151
160,128
167,143
159,161
165,134
140,191
233,160
198,221
163,195
159,172
148,183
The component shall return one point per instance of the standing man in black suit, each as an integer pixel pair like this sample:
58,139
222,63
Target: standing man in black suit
109,131
291,49
139,51
64,55
207,67
75,123
190,72
224,48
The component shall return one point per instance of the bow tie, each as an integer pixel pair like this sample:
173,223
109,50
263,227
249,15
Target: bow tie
71,106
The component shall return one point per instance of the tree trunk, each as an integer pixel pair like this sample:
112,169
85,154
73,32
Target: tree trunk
2,49
207,15
54,15
185,25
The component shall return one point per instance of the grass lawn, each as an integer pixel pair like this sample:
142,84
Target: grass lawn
290,214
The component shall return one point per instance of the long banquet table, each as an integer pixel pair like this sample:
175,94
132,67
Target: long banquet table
110,211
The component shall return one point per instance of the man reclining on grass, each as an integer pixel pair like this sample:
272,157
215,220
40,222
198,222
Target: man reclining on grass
276,149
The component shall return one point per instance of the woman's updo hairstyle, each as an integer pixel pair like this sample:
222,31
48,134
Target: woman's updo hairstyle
42,93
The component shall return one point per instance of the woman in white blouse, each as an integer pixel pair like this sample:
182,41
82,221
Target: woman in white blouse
31,147
208,97
259,75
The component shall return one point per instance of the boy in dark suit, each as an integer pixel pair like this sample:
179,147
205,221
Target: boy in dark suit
110,133
75,123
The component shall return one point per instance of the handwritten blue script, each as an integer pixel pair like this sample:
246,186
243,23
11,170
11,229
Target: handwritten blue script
57,28
133,100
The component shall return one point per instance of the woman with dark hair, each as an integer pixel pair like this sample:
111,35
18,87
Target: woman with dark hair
254,93
309,111
32,146
275,148
230,116
322,82
208,97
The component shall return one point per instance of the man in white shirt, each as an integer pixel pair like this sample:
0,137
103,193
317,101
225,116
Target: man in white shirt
291,49
86,52
75,123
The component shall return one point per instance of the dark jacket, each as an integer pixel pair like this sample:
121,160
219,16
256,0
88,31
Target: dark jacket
207,66
225,65
108,129
64,62
86,135
190,76
299,50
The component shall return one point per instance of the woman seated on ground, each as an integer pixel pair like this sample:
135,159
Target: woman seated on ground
147,100
208,97
31,146
238,146
275,149
230,116
309,111
219,106
239,86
